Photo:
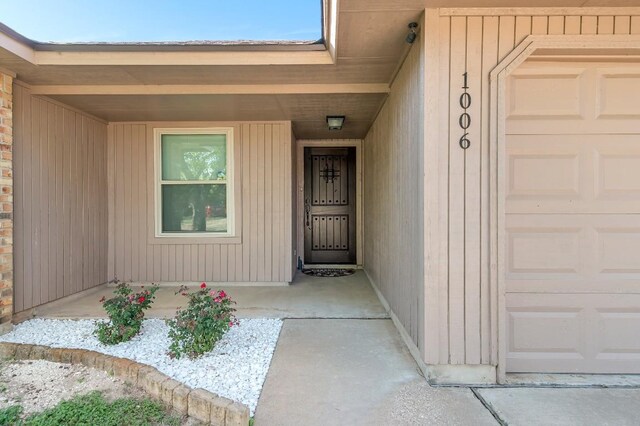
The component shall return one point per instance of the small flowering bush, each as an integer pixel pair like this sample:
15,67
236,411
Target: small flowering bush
196,329
126,312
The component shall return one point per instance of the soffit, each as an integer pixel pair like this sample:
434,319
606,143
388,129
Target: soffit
307,112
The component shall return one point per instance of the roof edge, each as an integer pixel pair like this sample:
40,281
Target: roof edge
169,46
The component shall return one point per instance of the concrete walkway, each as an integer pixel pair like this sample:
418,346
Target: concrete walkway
341,361
355,372
307,297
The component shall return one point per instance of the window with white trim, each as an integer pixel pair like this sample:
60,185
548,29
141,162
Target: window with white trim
194,186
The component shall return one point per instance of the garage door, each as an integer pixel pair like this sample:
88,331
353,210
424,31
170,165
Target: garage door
573,217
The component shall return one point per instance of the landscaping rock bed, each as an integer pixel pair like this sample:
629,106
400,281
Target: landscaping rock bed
235,369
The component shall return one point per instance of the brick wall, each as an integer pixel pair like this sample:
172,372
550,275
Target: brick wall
6,199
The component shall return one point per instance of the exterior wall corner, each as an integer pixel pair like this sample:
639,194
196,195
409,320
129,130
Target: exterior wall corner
6,199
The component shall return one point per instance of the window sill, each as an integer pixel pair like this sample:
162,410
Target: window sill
188,240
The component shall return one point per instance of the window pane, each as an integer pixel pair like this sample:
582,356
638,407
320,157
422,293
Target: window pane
194,208
194,157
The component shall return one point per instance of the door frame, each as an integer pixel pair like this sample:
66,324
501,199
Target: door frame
327,143
553,46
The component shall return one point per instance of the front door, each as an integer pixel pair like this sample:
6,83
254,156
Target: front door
330,205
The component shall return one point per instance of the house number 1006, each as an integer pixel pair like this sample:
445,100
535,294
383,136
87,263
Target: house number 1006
465,119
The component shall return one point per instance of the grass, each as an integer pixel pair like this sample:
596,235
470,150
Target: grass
94,409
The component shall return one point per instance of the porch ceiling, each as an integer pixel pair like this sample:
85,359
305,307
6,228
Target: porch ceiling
304,110
369,48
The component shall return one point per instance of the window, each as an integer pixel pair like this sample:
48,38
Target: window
194,194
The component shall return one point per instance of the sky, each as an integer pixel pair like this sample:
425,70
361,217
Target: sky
72,21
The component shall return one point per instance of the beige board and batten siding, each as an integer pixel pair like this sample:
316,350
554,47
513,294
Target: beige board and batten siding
460,312
393,188
263,179
60,205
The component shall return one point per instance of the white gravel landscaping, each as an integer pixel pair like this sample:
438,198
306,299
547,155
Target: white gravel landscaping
235,369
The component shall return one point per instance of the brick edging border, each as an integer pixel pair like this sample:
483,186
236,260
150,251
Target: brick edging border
200,404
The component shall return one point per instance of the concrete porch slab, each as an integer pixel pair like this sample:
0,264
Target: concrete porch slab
307,297
560,407
355,372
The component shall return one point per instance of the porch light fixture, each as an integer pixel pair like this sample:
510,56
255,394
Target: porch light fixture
411,37
335,122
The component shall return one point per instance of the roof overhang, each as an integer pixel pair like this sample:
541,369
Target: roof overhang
347,72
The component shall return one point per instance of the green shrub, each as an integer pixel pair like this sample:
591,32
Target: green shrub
196,329
126,312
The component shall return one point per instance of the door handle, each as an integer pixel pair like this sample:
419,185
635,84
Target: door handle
307,212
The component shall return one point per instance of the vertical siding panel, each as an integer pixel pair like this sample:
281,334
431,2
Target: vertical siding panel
260,247
20,170
277,191
120,206
202,261
194,263
279,210
134,183
231,262
76,201
589,25
67,199
489,59
95,204
209,262
523,28
268,206
157,262
472,186
253,236
622,25
572,25
172,262
216,262
240,147
29,175
87,135
507,35
457,196
179,262
556,25
143,207
224,268
52,213
445,64
36,232
539,25
605,24
285,137
246,201
111,193
126,210
164,261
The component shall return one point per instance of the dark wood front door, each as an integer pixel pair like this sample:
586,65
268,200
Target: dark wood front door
330,205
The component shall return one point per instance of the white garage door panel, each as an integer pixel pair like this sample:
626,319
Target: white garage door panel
573,253
573,174
572,225
587,98
573,333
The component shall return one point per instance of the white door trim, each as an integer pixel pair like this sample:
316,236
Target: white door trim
547,45
329,143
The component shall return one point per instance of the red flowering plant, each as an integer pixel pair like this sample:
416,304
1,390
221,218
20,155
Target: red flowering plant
196,329
126,312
